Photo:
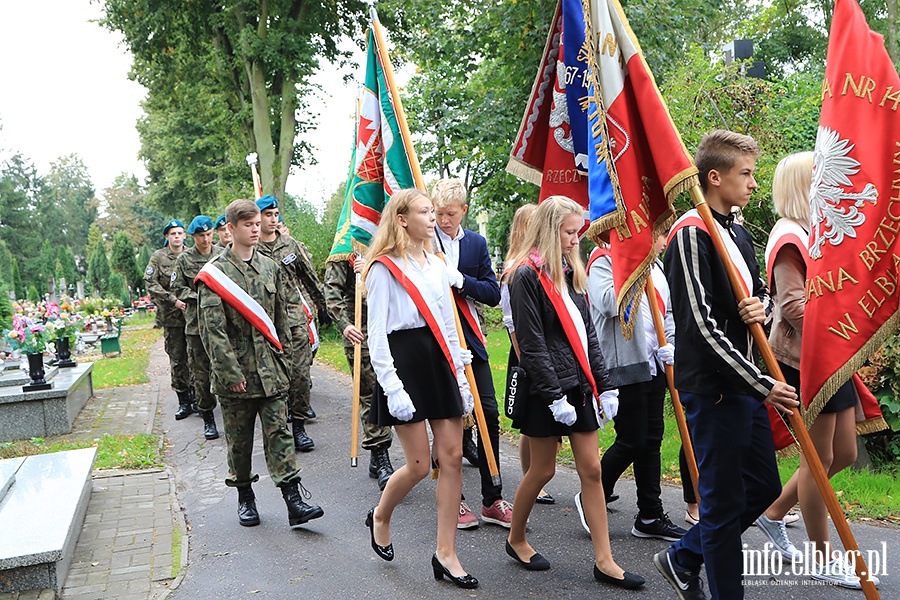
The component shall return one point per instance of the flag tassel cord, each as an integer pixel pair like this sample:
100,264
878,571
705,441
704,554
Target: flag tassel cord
381,42
795,419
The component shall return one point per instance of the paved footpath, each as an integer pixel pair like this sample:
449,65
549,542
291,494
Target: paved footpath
331,558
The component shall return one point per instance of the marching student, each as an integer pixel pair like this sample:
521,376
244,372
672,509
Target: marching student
158,279
472,281
719,384
184,287
286,253
559,351
244,326
637,367
520,223
418,364
833,431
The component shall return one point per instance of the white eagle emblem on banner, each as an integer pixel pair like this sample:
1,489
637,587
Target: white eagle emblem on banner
834,212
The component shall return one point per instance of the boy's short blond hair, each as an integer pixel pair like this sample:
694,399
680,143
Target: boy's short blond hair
448,191
719,150
240,210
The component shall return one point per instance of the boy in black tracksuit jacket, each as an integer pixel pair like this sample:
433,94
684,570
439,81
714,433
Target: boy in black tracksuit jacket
721,387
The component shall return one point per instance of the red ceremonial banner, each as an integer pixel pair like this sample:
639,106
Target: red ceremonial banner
851,287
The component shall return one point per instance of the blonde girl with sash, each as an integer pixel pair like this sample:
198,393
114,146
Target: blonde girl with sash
559,351
418,365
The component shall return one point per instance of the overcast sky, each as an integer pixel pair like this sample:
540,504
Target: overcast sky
65,89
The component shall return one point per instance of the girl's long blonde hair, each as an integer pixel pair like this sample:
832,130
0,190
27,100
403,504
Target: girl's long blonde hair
542,238
790,187
518,229
391,238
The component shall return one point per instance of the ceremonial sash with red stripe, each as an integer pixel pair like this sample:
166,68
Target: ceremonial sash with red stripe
239,300
423,307
568,325
310,324
465,310
595,254
692,219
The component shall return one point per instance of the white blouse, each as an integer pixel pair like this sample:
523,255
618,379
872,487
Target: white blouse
506,308
391,309
650,338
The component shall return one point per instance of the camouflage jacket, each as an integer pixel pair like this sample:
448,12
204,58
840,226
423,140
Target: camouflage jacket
159,276
237,350
340,295
300,275
187,266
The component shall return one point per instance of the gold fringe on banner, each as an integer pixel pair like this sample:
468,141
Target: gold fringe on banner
791,451
339,257
524,172
871,426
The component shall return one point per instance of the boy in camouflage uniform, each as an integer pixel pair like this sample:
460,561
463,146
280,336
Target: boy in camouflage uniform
222,232
158,279
340,294
300,279
249,373
187,266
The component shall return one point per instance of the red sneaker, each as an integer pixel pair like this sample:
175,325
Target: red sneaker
498,513
467,519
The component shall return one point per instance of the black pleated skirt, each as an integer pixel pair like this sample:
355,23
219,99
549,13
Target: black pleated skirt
426,376
538,421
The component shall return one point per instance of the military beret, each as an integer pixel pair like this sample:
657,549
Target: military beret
172,224
200,224
280,218
267,202
220,222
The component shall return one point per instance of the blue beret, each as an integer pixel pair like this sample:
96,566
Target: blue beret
220,222
267,202
200,224
171,224
280,218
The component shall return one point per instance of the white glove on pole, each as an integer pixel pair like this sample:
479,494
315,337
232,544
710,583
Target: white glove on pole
465,356
468,400
400,406
609,402
667,354
563,412
456,278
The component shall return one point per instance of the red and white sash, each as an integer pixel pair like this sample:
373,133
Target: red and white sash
239,300
467,310
572,323
692,219
310,323
422,305
595,254
785,232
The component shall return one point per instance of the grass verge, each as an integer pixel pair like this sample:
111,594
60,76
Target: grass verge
863,494
129,368
113,452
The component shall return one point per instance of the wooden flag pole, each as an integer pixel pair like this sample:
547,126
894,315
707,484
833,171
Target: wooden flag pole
670,380
420,184
357,377
800,431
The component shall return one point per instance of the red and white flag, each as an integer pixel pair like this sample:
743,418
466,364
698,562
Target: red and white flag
852,290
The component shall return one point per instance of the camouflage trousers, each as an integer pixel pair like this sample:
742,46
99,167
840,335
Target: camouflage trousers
198,360
374,436
239,420
299,359
176,348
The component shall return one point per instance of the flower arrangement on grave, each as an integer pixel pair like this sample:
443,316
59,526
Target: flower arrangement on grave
27,335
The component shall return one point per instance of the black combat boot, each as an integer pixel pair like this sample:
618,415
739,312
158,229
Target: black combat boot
209,425
194,405
470,449
247,513
310,413
299,512
185,406
302,441
380,466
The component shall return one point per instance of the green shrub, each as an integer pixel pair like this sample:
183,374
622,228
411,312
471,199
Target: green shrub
882,375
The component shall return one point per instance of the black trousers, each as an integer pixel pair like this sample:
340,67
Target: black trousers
639,432
490,493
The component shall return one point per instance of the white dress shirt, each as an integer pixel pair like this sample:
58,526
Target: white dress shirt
391,309
451,246
650,337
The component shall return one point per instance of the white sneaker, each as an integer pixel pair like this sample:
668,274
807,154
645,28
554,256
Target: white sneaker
777,534
840,572
791,518
580,508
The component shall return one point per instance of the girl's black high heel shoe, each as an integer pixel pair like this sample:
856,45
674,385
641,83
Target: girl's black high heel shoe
440,571
385,552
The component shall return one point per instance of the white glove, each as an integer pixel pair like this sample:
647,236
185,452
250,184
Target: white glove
456,278
609,402
468,399
465,356
667,354
400,405
563,412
